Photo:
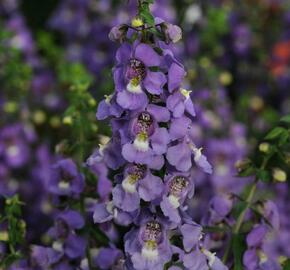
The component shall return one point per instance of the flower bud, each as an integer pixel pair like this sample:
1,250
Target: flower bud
225,78
67,120
137,22
264,147
173,32
92,102
117,33
256,103
10,107
242,164
279,175
39,117
55,122
4,236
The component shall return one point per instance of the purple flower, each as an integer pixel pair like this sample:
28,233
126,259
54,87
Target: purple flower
65,179
137,182
149,140
148,246
117,33
108,154
178,188
132,75
220,207
173,32
108,107
181,154
66,242
14,144
180,102
106,212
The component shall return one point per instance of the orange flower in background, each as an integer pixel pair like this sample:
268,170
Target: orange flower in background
282,50
280,58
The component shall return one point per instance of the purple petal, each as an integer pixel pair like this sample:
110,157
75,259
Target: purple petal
161,114
123,53
202,162
176,74
75,246
189,107
150,187
103,110
195,261
256,236
132,101
250,259
180,156
169,211
147,55
118,74
156,162
160,140
154,82
191,235
73,218
131,154
107,257
128,202
179,127
175,104
101,213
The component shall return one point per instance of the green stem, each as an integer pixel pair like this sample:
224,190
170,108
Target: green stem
227,251
241,217
249,199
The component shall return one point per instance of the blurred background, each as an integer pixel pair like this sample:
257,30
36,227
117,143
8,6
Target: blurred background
55,66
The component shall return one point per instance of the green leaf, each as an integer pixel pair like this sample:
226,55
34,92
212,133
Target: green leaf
275,133
286,119
239,247
146,15
247,172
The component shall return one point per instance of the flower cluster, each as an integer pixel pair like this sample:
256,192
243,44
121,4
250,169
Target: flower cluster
151,155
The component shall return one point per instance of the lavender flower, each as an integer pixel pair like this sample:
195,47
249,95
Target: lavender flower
66,243
153,149
65,179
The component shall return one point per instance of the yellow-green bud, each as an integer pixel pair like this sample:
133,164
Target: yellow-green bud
264,147
39,117
256,103
55,122
137,22
225,78
205,62
10,107
279,175
92,102
67,120
4,236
